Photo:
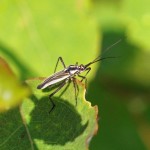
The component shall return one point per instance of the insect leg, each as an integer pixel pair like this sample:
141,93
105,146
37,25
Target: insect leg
84,77
51,100
59,59
76,88
88,70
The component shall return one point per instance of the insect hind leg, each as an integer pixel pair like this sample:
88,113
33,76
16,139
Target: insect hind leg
53,104
50,96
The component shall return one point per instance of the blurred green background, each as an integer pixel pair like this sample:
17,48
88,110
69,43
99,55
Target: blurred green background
33,34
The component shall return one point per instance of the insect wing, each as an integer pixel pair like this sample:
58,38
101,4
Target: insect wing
55,78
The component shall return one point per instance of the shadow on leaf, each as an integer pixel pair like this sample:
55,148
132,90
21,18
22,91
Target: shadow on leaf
62,125
112,87
13,134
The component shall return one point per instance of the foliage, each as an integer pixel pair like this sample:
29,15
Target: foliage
11,90
34,34
32,47
66,127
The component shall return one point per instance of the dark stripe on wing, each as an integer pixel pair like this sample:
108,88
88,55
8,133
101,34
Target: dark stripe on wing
56,76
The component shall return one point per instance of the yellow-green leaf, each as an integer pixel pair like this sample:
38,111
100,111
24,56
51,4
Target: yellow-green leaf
12,91
67,127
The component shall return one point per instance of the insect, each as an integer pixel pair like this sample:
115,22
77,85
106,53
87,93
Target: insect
68,74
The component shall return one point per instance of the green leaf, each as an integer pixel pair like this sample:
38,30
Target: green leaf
123,102
128,15
41,32
118,128
12,91
66,127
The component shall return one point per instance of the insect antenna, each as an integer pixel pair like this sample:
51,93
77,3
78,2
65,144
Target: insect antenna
99,58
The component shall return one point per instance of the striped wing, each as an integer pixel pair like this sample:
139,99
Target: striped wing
55,78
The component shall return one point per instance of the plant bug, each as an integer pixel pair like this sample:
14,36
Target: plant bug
68,74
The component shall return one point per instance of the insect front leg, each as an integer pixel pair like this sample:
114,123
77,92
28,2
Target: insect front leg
84,77
50,96
61,60
88,70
